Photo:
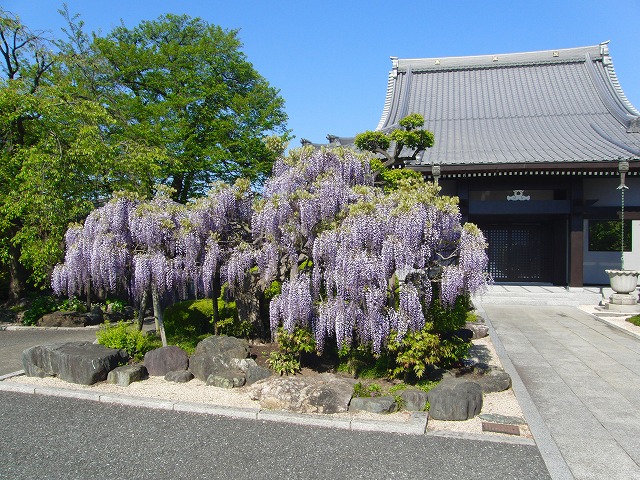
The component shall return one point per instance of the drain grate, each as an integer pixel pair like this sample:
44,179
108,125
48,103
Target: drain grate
500,428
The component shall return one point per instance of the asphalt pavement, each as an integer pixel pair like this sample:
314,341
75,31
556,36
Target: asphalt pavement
62,438
44,436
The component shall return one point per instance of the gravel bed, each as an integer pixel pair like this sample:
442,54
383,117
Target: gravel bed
501,403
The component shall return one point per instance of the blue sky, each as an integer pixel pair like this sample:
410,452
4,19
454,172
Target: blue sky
330,59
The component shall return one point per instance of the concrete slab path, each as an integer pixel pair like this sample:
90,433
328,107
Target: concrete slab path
581,381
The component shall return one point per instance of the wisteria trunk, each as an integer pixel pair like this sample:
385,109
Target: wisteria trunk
159,315
143,307
216,291
88,290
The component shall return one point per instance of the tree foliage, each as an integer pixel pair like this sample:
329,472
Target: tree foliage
409,136
185,87
172,101
56,162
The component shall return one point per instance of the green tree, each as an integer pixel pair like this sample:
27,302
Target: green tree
185,87
56,161
409,136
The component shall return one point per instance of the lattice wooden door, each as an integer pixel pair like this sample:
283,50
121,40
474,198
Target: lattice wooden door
519,253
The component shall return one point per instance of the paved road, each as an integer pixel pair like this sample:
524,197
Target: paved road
13,342
49,437
584,378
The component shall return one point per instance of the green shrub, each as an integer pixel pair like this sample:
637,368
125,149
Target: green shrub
128,338
117,306
286,361
73,304
360,362
39,306
283,363
193,318
415,353
448,319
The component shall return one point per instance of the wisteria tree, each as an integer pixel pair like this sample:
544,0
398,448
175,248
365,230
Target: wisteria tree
157,248
99,253
373,258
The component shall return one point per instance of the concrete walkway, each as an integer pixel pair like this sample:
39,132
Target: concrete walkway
578,382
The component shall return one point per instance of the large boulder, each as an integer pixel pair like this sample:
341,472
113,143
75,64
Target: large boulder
163,360
316,394
494,380
76,362
95,316
455,399
215,354
64,319
479,329
257,373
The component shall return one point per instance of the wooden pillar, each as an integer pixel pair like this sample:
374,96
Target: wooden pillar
576,234
462,192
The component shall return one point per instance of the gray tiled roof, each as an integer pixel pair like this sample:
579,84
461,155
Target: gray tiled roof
549,106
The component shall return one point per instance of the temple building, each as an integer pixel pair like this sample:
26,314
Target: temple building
532,144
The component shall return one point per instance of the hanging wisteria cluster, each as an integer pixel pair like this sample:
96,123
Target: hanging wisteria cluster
374,265
307,191
133,246
98,253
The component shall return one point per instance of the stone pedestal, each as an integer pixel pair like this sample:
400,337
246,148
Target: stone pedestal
623,302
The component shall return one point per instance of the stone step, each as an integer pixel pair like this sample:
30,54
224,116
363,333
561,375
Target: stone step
540,295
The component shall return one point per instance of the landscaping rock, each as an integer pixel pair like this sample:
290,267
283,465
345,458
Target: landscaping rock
479,329
257,373
373,404
414,400
95,316
179,376
242,363
316,394
163,360
76,362
221,345
455,399
64,319
215,354
227,379
494,380
126,375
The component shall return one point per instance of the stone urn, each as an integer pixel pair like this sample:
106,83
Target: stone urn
623,281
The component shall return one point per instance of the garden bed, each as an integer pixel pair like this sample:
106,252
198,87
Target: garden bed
502,404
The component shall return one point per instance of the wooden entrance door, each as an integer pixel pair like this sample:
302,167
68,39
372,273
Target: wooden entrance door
520,252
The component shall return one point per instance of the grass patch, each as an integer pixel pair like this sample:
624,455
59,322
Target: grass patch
635,320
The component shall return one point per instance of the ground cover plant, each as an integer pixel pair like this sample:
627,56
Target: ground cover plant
634,320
